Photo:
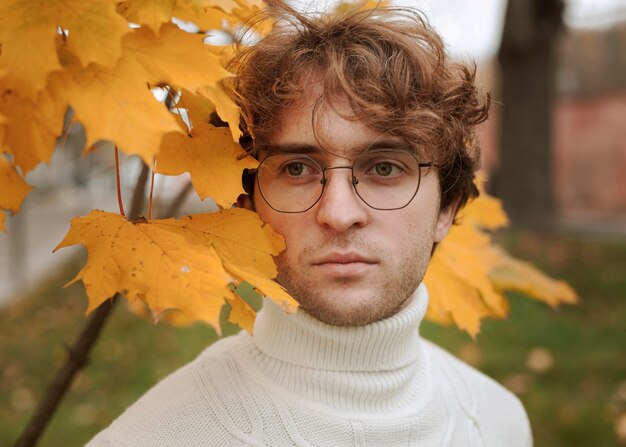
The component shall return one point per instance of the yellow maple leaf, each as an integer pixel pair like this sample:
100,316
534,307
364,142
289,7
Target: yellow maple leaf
200,5
172,263
241,313
30,127
453,300
151,13
206,14
227,110
204,19
173,57
28,29
457,278
12,186
199,108
13,190
513,274
212,158
468,274
116,105
349,6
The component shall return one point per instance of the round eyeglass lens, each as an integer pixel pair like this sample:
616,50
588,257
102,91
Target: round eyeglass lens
290,183
386,179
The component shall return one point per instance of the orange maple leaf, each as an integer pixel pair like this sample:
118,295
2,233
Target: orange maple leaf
116,105
227,110
206,14
173,57
515,275
30,127
468,274
177,263
197,107
212,158
151,13
13,189
457,279
28,30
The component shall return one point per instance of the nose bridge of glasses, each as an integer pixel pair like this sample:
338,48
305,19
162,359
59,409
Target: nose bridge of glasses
353,179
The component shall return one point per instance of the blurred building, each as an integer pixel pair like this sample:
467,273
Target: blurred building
589,126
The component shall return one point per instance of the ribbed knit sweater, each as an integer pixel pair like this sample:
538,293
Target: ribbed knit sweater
300,382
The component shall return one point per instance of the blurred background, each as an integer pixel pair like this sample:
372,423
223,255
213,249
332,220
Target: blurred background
554,150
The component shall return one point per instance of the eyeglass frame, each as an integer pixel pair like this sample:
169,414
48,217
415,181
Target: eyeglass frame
249,177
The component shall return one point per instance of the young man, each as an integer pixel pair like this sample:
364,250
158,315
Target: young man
364,132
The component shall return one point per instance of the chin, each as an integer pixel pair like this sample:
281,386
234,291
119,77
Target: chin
349,311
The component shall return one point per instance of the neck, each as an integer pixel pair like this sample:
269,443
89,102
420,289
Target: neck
362,369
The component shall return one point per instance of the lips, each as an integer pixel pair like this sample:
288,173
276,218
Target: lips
344,264
344,258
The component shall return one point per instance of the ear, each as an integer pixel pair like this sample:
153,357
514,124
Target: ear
246,202
445,220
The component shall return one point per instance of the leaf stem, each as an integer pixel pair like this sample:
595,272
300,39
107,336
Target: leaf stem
117,180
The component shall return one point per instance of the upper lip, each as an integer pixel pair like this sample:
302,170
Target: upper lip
343,258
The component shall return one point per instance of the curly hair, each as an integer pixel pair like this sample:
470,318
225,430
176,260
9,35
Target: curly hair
390,66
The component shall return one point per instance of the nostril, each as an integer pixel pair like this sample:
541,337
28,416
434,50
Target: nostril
355,181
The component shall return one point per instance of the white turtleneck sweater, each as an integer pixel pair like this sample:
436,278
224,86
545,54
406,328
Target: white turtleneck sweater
300,382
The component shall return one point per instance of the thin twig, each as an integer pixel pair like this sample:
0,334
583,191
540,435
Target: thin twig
117,182
139,195
151,191
79,353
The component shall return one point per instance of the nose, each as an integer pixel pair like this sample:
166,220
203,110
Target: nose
339,207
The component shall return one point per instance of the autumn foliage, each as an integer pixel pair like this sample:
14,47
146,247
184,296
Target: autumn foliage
103,59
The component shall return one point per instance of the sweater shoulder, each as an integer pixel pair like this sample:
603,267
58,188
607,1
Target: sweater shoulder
495,412
175,411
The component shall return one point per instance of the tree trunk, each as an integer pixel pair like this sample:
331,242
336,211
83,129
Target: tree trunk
527,53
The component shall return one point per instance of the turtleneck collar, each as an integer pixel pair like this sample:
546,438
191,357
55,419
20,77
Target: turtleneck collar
305,341
360,371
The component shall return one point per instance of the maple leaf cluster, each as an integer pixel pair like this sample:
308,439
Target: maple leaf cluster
103,59
468,274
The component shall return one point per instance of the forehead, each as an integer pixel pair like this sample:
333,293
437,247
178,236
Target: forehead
331,128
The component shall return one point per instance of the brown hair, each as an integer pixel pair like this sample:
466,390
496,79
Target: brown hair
392,69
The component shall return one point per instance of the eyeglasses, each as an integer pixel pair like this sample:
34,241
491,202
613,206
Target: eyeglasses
294,183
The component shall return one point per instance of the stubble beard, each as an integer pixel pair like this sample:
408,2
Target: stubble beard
378,303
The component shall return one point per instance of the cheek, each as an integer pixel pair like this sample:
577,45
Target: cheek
286,225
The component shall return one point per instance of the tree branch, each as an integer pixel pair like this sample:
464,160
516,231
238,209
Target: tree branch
79,353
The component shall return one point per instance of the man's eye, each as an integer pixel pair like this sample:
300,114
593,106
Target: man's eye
384,169
295,169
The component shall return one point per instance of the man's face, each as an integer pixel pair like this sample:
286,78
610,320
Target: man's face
346,263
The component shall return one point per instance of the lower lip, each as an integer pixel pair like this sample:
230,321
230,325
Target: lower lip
344,269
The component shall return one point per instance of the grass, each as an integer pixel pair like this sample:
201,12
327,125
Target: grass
567,365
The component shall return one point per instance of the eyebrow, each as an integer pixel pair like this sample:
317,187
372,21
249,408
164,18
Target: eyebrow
291,148
309,149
